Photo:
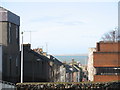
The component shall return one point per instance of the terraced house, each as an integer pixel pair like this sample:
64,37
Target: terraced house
36,66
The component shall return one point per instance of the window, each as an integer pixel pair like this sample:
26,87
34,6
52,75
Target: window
98,46
108,70
17,61
16,32
9,38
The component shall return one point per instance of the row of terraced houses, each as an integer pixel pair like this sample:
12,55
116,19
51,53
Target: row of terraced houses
103,62
38,66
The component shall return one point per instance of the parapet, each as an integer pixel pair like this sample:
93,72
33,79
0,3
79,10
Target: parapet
7,16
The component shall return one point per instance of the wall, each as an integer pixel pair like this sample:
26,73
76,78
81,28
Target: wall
0,32
3,33
0,62
106,78
108,47
9,39
90,67
107,55
10,51
36,66
106,59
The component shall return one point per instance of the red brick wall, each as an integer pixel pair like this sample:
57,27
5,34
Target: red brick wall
106,78
108,47
107,55
106,59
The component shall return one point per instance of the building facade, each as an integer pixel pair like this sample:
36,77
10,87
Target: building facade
90,67
107,61
56,69
0,62
9,39
36,67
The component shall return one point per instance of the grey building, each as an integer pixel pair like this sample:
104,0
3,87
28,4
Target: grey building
36,66
56,67
55,73
0,62
9,41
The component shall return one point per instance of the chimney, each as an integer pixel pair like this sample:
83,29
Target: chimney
27,46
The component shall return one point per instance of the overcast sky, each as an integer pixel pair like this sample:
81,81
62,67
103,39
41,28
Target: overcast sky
66,27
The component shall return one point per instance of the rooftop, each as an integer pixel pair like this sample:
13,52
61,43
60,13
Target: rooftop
8,16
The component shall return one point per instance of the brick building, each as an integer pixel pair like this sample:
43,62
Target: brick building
107,61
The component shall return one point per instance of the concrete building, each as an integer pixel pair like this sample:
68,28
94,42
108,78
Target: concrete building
0,62
9,39
107,61
90,67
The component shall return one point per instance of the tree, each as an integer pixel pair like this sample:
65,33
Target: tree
111,36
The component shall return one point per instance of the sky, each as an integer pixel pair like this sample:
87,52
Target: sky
64,27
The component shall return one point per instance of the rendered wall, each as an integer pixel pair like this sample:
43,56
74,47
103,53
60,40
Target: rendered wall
90,67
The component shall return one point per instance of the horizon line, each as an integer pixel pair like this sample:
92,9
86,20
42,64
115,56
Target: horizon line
70,54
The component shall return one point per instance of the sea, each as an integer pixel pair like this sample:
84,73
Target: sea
82,59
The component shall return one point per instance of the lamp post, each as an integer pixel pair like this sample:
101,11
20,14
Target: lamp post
22,59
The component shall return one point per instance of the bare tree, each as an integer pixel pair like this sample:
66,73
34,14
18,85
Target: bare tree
111,36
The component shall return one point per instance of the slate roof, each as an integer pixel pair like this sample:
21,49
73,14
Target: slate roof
42,57
55,60
69,67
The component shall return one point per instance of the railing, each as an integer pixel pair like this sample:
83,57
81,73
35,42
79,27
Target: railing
69,86
7,85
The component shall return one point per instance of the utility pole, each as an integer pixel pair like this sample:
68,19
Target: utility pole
22,59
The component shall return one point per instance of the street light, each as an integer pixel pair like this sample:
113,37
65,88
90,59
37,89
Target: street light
22,59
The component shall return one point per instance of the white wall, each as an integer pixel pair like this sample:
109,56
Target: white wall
90,68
